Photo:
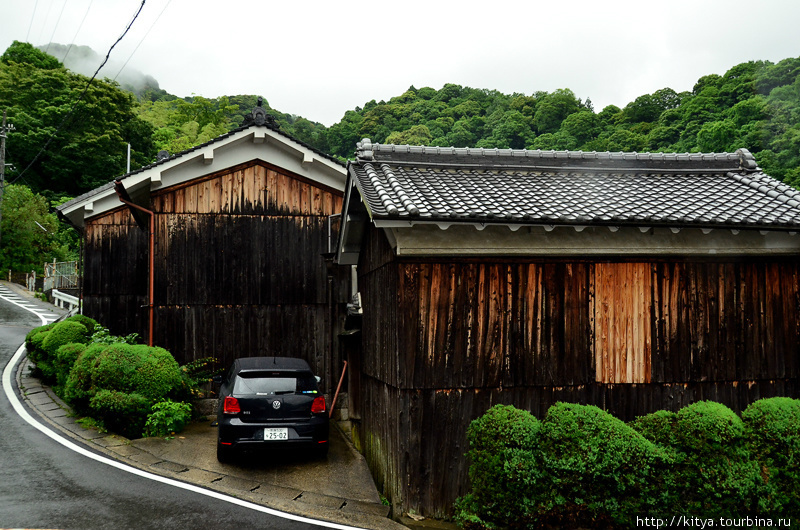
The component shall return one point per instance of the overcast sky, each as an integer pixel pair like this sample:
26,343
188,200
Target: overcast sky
319,59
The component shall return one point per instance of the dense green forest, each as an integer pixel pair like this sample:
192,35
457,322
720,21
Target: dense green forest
71,136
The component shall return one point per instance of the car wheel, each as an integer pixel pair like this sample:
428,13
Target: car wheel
224,453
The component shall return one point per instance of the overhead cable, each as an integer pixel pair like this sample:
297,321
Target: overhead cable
58,21
72,42
33,16
75,104
142,40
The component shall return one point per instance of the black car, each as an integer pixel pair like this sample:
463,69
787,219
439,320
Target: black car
270,403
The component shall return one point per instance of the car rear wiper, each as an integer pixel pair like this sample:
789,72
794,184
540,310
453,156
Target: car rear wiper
281,392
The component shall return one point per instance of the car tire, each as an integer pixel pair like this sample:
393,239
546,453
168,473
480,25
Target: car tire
224,454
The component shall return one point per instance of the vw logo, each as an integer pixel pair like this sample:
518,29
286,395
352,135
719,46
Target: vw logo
276,404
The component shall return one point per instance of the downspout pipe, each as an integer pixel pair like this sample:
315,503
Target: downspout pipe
125,199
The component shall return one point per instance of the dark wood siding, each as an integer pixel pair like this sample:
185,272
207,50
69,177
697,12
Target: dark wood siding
115,273
445,339
239,268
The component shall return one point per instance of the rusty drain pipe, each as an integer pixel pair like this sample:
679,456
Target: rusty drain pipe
339,387
120,189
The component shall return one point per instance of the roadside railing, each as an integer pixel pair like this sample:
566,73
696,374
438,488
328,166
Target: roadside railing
65,300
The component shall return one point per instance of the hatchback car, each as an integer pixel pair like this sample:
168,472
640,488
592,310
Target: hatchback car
271,403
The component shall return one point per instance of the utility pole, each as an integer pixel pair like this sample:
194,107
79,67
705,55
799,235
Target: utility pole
4,130
2,170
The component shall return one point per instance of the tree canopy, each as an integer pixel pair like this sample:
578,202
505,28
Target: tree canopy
71,136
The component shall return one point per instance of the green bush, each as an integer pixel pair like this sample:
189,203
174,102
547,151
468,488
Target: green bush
658,427
121,412
64,360
151,372
29,344
103,375
772,431
720,476
167,418
103,336
581,467
602,463
79,389
503,470
62,333
89,323
33,345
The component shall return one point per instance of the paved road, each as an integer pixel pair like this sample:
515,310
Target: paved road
45,485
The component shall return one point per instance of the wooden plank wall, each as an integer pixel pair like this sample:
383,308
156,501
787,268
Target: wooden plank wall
239,268
115,273
444,341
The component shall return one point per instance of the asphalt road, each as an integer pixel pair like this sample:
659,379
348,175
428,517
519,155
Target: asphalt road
43,484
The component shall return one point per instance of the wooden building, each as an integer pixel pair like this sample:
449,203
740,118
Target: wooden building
241,226
634,282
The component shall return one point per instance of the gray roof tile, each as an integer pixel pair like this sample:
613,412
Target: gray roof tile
571,187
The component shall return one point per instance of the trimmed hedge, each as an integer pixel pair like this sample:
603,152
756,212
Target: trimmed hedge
772,431
581,467
121,412
108,378
119,384
65,358
65,332
43,342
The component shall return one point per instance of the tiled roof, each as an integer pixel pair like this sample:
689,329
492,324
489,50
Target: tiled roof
410,183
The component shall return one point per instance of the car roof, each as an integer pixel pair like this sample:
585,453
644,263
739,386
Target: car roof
284,364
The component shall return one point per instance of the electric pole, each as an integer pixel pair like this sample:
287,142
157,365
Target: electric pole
3,133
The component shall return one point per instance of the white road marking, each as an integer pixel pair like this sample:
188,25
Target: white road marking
20,409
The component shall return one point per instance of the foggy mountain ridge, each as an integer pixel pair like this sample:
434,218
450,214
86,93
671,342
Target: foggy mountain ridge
84,60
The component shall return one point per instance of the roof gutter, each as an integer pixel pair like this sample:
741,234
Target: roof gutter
125,198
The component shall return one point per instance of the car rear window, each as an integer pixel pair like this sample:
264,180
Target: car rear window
264,384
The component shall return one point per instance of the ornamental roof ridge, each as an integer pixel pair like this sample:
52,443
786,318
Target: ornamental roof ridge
741,160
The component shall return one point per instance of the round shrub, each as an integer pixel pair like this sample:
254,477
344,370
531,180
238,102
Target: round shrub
121,412
707,426
503,470
772,431
105,376
64,360
33,343
150,372
89,323
29,344
167,418
79,389
720,477
602,463
658,427
62,333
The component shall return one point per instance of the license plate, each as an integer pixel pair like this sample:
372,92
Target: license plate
276,434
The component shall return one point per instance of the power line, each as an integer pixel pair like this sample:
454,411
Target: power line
80,98
58,21
33,16
142,40
46,17
72,42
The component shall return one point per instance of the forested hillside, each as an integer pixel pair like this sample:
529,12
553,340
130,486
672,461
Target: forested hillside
755,105
71,136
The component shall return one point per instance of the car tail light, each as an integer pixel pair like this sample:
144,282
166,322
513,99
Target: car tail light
318,406
231,405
